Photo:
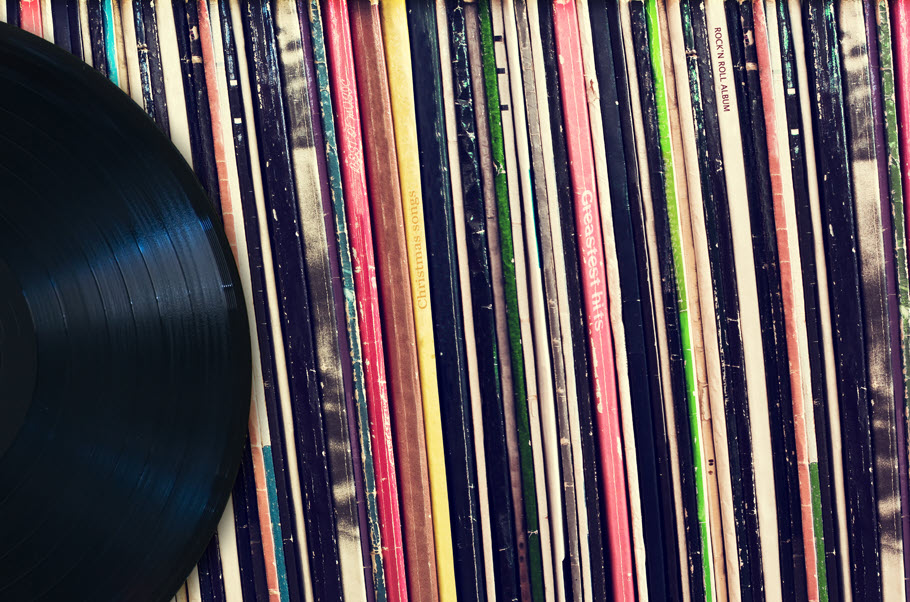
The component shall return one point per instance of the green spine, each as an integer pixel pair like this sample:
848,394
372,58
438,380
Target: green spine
333,168
898,213
663,118
535,561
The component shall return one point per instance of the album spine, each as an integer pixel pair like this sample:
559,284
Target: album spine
396,40
12,13
375,403
250,543
587,218
307,161
863,138
900,11
768,54
436,179
196,98
400,344
900,162
270,495
544,264
824,383
172,75
343,280
305,400
214,567
345,459
107,31
149,88
549,164
896,257
647,412
668,200
30,17
519,402
759,281
841,250
806,193
138,91
727,231
896,432
537,370
486,230
465,174
95,26
624,295
60,26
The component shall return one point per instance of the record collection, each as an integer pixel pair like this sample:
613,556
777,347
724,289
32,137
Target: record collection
547,299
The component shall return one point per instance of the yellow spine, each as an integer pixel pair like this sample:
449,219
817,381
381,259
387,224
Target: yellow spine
401,87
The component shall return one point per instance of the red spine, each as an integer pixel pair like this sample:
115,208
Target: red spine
208,63
30,16
786,281
360,230
591,253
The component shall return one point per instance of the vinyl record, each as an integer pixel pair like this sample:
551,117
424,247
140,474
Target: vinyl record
128,375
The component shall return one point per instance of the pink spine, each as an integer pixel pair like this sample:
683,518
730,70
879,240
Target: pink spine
350,144
787,292
587,218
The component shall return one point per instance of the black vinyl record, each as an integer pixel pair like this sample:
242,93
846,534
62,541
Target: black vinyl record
124,346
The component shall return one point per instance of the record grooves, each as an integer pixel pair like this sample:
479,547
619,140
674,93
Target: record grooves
154,341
